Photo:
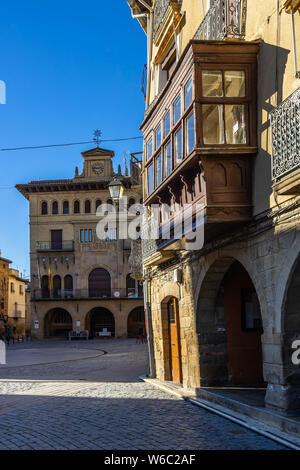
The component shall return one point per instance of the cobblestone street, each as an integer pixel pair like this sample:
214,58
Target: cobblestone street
86,395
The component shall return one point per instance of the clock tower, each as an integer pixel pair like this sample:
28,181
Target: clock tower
97,164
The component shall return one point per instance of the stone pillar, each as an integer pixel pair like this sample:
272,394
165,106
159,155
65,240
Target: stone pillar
283,390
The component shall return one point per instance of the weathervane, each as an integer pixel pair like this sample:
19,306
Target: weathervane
97,135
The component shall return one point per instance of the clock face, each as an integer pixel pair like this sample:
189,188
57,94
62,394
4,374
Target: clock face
98,168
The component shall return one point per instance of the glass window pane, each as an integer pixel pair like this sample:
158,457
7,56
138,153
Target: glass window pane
235,83
150,179
81,236
167,124
213,124
149,148
168,160
85,235
188,93
212,84
190,134
158,170
158,137
178,147
235,124
90,235
177,110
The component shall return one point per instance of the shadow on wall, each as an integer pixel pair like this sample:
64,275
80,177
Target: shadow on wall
271,68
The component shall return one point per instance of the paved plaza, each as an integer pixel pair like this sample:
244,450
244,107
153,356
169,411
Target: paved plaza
87,395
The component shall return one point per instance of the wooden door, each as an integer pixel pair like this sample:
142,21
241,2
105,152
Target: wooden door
174,336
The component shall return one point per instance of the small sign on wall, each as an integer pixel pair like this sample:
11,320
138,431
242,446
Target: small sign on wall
36,324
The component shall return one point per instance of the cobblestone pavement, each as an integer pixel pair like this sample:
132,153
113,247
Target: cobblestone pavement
98,403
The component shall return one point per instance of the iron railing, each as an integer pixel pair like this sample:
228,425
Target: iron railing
224,19
285,135
66,245
62,294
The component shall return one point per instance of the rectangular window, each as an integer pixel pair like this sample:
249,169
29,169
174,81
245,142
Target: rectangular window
167,124
188,93
150,174
158,170
190,133
21,290
90,235
178,147
213,124
158,137
235,84
212,83
85,235
149,148
235,124
168,160
81,236
177,110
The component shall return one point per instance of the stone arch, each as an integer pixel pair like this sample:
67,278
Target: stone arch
100,320
229,326
136,322
57,323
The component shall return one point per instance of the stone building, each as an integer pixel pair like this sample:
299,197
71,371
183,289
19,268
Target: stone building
78,281
222,129
4,276
17,309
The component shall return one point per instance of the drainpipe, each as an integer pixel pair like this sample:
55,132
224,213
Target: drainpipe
147,304
297,72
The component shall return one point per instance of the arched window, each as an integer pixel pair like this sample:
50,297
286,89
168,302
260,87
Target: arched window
130,286
98,203
66,207
68,285
76,207
55,207
44,208
87,207
45,287
56,286
99,283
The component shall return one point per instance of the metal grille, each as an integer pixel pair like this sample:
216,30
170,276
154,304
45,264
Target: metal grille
285,132
225,18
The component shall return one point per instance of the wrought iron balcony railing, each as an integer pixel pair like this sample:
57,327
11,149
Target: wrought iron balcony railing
66,245
62,294
285,134
224,19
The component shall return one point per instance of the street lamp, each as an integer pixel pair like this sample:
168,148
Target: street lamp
116,190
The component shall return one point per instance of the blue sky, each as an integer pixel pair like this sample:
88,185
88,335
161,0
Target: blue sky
70,67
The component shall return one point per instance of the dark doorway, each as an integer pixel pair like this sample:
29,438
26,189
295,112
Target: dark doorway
244,328
101,321
136,322
56,239
99,283
58,323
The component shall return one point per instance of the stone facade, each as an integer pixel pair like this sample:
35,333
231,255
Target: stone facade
4,283
17,309
61,268
266,251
